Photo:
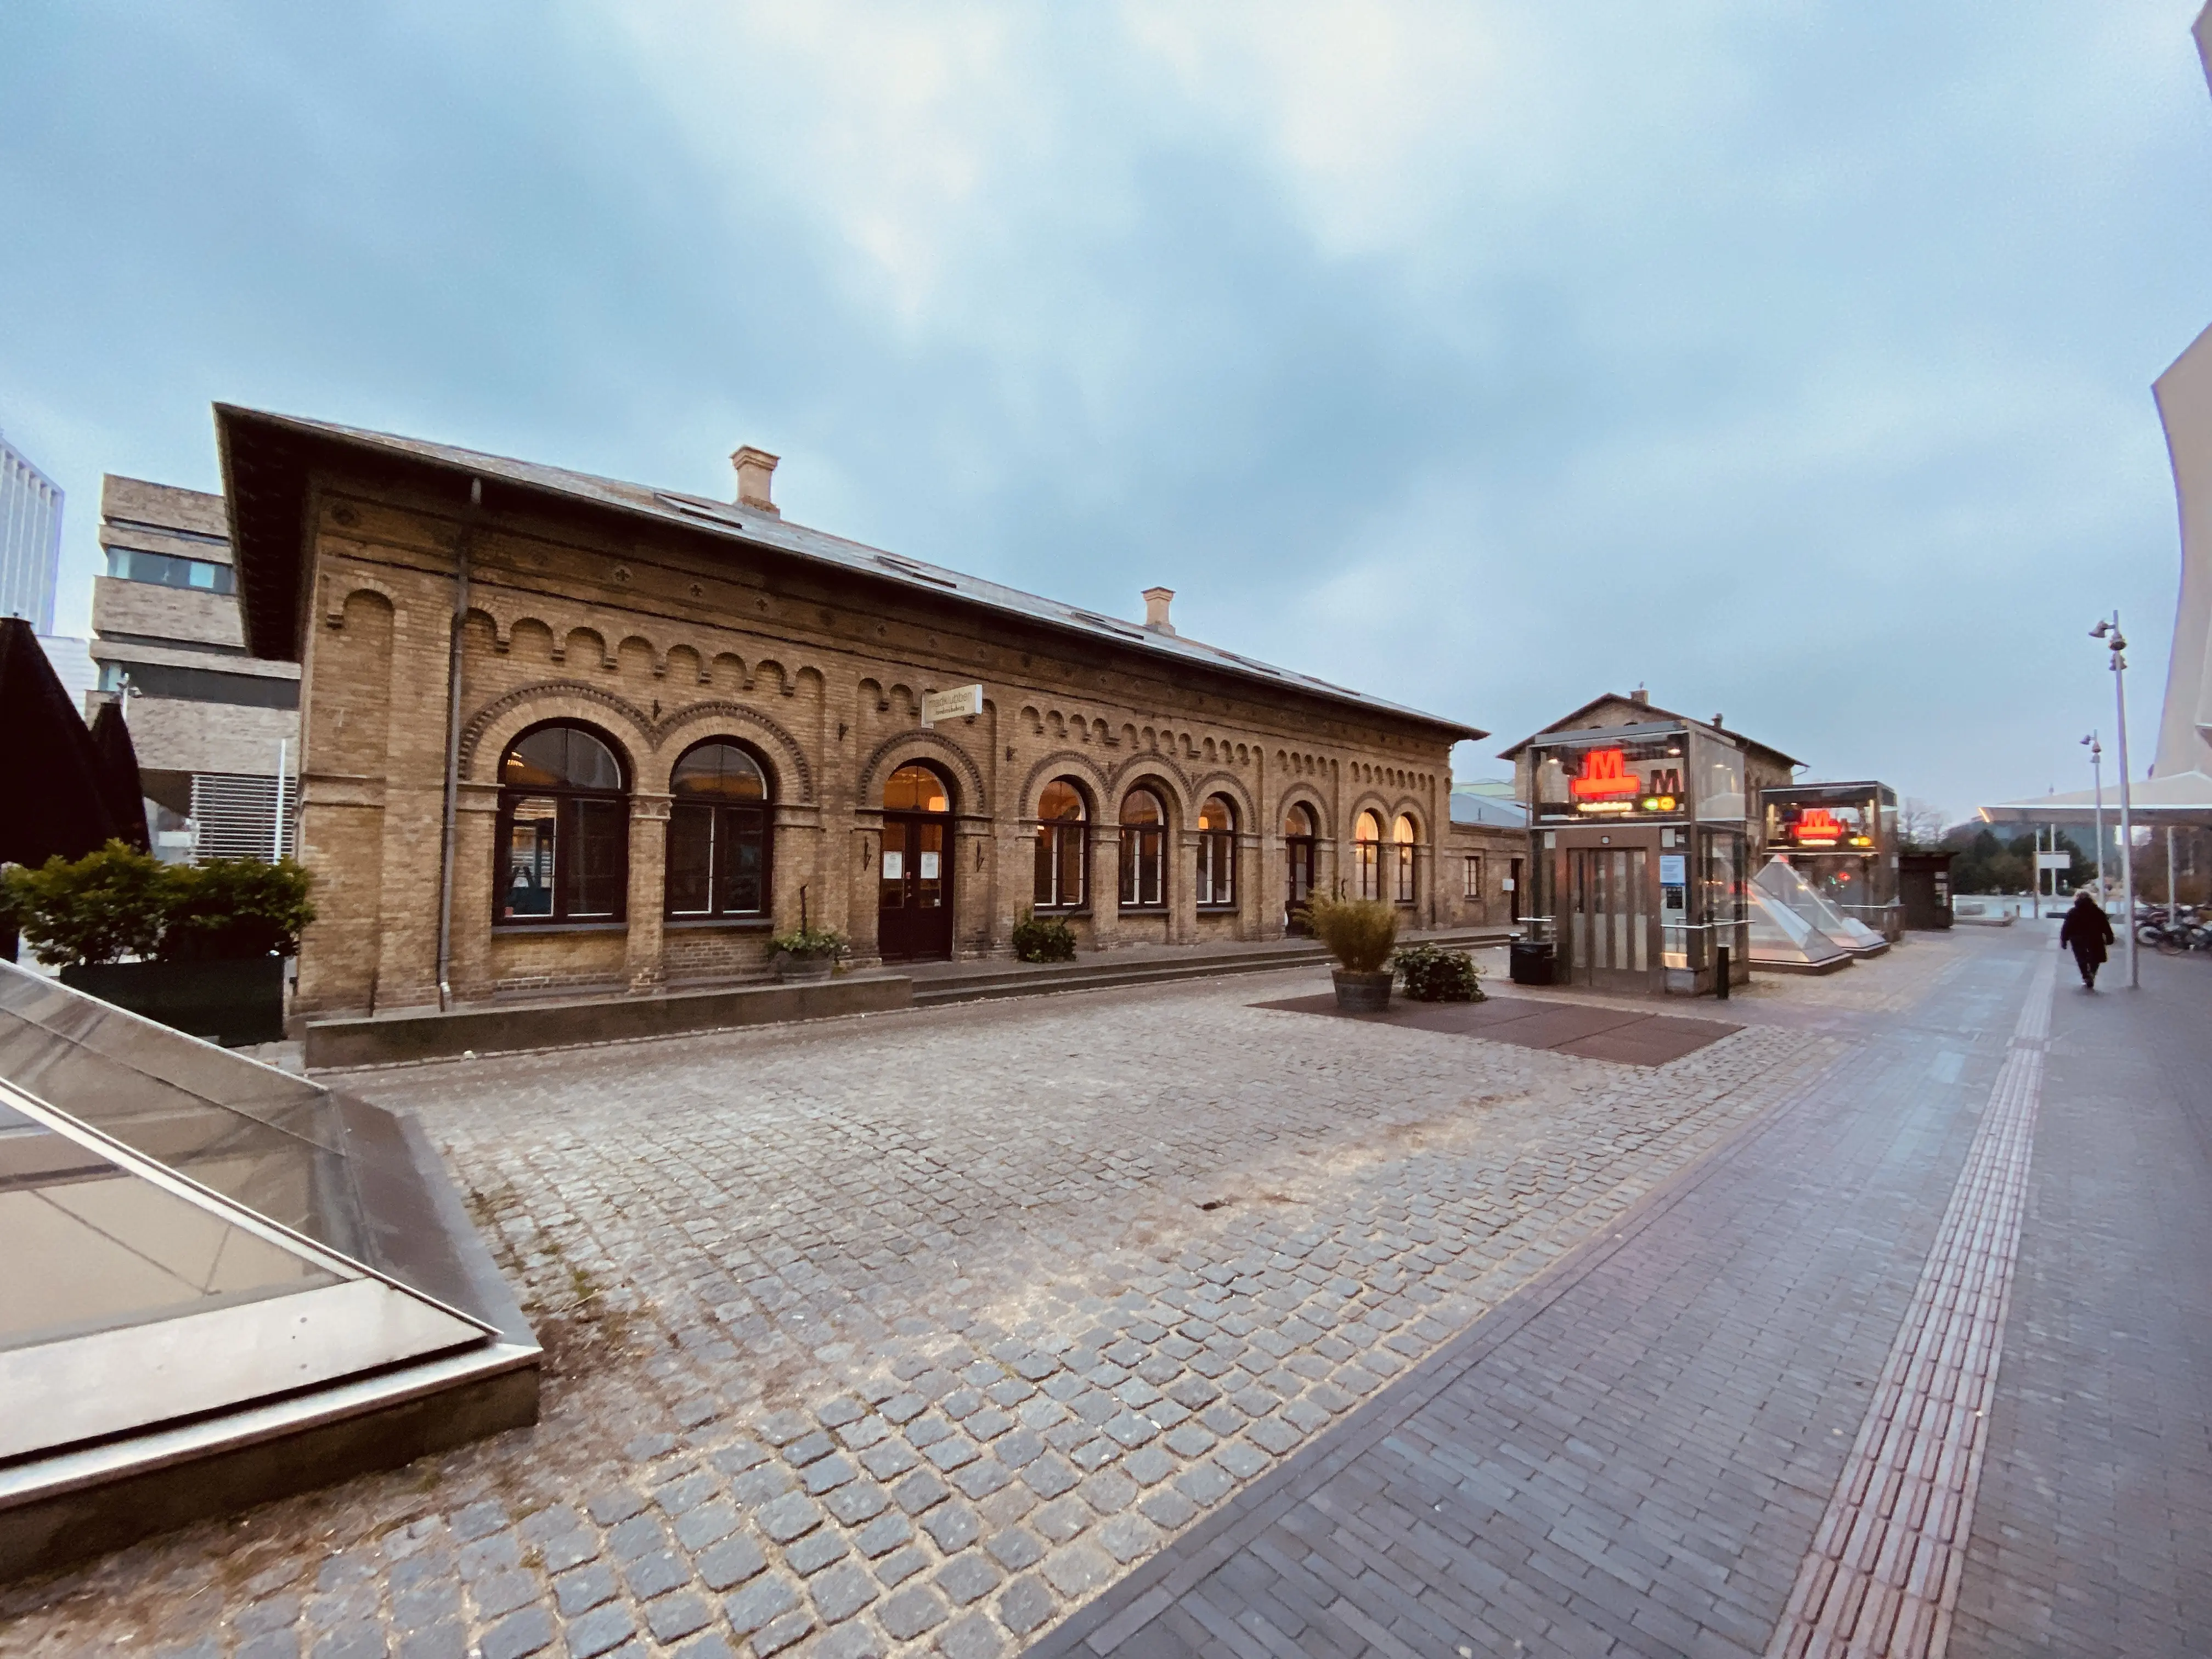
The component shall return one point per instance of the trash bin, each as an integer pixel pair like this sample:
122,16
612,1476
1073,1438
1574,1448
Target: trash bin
1529,962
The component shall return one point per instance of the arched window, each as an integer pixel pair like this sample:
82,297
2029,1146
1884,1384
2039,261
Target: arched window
719,833
1403,837
1301,834
1217,853
916,788
1367,854
1063,846
1144,850
564,827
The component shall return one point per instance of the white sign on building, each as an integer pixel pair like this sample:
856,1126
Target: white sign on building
961,702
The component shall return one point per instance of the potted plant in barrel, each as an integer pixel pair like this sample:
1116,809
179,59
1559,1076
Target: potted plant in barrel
200,948
805,952
1359,933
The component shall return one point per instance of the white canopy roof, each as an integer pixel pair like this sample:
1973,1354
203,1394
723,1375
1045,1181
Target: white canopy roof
2184,799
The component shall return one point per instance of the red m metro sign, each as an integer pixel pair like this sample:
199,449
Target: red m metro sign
1605,776
1817,826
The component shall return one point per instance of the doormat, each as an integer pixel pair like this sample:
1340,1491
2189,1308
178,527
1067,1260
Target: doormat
1626,1036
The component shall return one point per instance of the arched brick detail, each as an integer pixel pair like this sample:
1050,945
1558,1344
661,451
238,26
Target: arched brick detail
1227,783
739,722
923,744
340,586
1063,761
1151,763
1423,831
503,717
1295,792
1370,801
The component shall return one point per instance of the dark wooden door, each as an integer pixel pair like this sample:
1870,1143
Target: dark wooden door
1611,918
1299,879
914,904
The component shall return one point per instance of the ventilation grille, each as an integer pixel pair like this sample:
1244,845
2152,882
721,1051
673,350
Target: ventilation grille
233,815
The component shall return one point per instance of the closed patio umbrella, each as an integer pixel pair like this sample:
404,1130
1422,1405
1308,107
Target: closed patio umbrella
119,774
53,800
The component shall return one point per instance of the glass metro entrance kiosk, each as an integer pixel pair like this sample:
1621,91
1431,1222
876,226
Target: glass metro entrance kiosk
1842,837
1637,840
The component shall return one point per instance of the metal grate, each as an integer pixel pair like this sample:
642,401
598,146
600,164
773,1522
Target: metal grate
232,815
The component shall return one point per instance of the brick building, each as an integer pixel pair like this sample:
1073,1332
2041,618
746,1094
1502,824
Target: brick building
675,720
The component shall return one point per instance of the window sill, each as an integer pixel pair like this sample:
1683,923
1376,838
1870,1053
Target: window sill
739,924
1228,909
504,929
1143,910
1060,912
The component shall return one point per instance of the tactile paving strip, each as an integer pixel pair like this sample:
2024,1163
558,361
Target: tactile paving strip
1882,1579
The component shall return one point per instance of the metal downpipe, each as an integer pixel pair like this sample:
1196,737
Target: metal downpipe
453,745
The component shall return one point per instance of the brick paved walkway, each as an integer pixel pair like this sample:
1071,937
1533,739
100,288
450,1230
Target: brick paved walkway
2093,1531
918,1330
1635,1456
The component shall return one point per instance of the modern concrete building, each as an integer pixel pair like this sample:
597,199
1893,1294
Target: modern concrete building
665,723
2177,792
208,719
30,539
30,565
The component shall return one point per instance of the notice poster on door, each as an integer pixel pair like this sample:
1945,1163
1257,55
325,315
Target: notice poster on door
1674,870
929,866
894,866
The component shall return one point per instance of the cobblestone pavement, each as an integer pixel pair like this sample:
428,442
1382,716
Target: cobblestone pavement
1635,1457
918,1330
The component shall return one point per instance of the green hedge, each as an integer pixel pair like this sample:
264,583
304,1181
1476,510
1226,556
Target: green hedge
1433,974
120,902
1048,940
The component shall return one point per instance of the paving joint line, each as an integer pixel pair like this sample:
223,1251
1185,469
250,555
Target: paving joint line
1882,1579
1131,1603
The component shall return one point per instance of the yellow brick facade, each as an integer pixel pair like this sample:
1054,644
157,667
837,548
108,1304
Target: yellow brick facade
657,639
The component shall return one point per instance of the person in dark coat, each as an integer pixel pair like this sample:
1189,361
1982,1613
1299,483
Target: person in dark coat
2087,933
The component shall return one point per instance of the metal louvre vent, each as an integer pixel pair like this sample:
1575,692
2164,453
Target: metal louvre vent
234,815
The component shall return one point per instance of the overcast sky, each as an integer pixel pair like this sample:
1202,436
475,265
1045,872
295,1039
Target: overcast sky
1793,359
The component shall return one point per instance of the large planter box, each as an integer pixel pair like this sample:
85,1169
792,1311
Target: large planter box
231,1003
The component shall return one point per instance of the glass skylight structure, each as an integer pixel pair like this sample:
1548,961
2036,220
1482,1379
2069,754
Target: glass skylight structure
188,1235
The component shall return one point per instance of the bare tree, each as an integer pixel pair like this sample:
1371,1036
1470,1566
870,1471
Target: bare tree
1919,826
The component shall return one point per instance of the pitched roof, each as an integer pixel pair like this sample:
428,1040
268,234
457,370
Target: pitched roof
1567,723
265,458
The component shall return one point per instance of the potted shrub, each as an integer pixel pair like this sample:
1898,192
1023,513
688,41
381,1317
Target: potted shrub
807,953
1434,974
1359,933
1048,940
207,942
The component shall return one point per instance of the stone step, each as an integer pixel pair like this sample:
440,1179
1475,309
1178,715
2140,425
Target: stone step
1039,979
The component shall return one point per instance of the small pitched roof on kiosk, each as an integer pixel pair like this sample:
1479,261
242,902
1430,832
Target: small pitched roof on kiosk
267,458
1646,713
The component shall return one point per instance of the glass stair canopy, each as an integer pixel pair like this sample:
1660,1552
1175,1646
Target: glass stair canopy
1781,882
187,1233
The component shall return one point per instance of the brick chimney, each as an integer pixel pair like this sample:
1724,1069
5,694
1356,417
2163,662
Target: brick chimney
1639,695
756,469
1156,610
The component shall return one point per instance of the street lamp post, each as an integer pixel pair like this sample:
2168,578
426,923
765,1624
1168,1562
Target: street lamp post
2117,643
2096,772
